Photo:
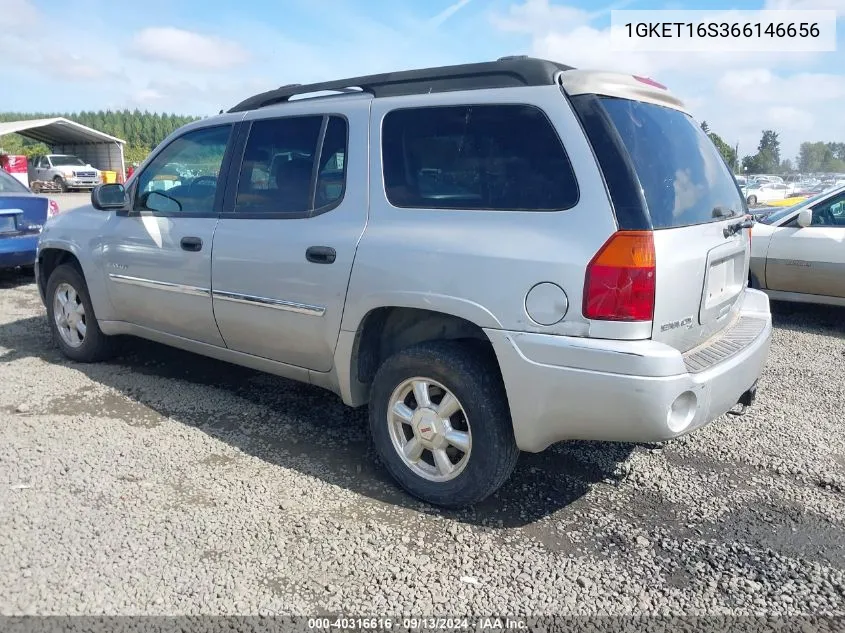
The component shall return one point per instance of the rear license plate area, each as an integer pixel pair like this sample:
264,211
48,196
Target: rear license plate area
8,224
723,282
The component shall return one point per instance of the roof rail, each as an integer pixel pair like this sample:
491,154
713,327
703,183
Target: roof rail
506,72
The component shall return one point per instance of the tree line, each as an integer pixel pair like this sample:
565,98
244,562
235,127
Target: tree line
813,157
142,131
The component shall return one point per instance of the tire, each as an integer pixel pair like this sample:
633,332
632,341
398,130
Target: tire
61,183
470,374
752,201
94,345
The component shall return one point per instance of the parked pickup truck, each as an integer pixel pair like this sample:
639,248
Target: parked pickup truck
66,170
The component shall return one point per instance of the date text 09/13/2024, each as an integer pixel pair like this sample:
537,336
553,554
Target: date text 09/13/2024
486,624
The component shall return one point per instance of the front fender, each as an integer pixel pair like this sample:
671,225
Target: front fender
84,242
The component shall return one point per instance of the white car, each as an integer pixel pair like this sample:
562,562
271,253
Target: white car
764,192
798,253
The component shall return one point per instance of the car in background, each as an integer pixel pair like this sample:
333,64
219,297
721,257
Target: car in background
797,253
757,192
65,170
22,215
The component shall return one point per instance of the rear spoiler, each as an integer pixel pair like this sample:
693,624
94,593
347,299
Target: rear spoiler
577,82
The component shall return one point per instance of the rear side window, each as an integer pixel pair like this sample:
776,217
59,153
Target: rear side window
292,166
496,157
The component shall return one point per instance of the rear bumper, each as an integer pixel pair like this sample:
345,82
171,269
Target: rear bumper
18,251
563,388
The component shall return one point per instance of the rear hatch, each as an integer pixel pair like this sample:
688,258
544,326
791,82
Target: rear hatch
664,174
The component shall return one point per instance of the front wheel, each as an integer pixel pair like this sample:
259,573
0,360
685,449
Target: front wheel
71,316
441,424
752,201
61,183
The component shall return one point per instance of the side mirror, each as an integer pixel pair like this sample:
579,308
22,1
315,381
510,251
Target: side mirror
805,218
110,196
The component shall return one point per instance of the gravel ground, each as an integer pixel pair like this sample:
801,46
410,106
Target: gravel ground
165,483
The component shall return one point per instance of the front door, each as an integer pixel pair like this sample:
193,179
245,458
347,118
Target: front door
158,255
810,260
285,244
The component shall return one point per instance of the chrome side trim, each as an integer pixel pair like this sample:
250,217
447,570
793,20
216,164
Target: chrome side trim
277,304
160,285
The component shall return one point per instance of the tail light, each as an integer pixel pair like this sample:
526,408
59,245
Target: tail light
620,281
52,208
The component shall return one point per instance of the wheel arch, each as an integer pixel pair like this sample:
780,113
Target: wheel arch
383,331
52,255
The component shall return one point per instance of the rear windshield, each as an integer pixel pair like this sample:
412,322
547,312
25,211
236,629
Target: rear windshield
8,184
684,179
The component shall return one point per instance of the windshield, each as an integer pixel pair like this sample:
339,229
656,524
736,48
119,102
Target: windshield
8,184
62,161
684,179
780,214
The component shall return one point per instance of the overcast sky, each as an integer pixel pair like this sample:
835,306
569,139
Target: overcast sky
198,56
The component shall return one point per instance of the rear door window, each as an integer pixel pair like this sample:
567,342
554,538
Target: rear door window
495,157
684,179
292,167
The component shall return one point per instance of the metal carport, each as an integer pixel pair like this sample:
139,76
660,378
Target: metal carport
63,136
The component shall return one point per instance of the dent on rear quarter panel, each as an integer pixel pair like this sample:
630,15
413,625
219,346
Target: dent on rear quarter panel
80,233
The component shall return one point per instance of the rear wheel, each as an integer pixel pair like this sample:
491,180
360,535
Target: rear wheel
441,424
71,317
752,201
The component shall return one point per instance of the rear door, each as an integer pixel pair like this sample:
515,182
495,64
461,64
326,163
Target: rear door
810,260
284,246
693,206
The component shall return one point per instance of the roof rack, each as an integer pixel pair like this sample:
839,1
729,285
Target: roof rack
505,72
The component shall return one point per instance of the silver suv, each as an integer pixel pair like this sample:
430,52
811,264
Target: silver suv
494,257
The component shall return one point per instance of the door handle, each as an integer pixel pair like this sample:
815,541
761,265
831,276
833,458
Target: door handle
321,254
192,244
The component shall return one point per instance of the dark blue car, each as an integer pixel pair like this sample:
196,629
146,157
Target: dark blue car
22,214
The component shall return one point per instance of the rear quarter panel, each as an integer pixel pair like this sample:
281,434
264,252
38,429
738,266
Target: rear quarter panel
479,265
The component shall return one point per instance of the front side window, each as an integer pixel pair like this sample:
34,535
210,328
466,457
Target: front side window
492,157
831,212
285,170
183,177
